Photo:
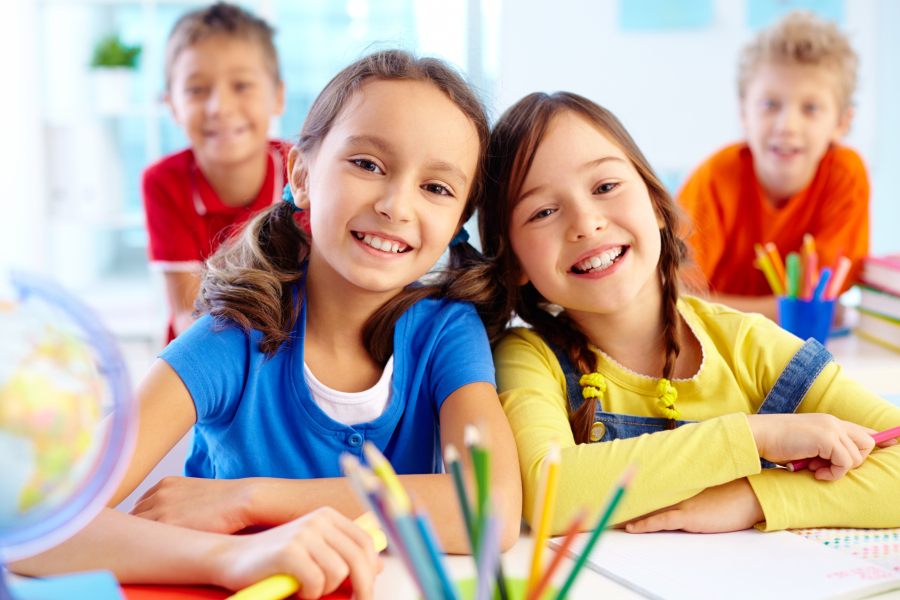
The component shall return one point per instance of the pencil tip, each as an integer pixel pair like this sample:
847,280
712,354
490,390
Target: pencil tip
471,436
628,475
451,454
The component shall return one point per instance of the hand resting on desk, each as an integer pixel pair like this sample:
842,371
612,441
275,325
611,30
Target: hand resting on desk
214,505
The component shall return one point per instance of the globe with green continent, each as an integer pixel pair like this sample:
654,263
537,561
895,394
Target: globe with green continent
65,417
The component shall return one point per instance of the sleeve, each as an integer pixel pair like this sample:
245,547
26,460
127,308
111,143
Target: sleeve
844,215
674,465
212,360
700,200
172,244
462,353
865,497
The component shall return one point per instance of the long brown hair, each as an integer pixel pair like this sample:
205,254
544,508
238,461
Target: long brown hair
514,142
250,280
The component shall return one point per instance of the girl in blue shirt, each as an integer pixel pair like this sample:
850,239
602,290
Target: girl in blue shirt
310,346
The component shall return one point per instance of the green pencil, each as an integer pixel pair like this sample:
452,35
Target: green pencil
618,492
453,460
793,274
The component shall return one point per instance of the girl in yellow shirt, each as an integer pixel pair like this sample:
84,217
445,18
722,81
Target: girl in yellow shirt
587,245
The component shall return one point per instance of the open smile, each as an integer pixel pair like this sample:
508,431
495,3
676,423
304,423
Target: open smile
381,243
600,261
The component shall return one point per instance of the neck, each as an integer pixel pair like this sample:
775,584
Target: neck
337,311
632,335
237,184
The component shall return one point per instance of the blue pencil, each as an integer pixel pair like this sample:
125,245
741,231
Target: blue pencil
433,545
824,278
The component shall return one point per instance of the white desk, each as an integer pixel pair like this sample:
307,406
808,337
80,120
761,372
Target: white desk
872,365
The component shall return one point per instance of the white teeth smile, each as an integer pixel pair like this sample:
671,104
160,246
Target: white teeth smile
599,262
380,244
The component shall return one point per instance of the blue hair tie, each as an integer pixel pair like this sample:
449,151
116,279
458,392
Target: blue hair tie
288,197
459,238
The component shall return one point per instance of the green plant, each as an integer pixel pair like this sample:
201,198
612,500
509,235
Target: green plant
109,52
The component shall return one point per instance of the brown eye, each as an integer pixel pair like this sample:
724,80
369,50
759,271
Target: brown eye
435,188
603,188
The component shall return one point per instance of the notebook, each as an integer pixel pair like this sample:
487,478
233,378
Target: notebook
742,565
879,546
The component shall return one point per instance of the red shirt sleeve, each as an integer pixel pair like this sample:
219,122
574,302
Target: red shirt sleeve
699,198
170,226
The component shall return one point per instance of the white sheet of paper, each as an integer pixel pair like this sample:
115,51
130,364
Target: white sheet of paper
742,565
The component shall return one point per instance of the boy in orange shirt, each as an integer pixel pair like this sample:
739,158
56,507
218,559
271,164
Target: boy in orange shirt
790,177
223,87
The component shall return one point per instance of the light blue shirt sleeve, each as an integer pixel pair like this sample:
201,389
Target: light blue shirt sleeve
212,359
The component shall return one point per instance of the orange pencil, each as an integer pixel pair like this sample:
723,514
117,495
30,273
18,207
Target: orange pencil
574,528
810,274
775,257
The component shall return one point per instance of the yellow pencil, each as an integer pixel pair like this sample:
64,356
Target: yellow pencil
382,467
768,270
775,257
282,586
543,511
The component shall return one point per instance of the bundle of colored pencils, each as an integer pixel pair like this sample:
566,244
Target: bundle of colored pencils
800,277
408,529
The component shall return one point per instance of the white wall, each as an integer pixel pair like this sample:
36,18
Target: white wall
676,92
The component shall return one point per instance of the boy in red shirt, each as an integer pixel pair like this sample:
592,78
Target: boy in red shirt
790,177
223,87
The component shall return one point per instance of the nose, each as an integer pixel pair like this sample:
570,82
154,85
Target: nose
787,118
220,101
396,204
585,219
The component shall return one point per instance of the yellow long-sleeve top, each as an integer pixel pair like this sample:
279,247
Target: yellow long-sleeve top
743,355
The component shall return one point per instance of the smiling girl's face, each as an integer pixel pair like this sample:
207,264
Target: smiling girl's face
388,185
584,230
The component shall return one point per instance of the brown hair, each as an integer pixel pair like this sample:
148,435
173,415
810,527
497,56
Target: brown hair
220,19
249,281
514,142
802,38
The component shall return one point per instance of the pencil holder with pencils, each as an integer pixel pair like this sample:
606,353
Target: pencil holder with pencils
806,318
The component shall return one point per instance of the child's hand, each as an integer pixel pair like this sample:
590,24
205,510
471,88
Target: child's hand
215,505
729,507
320,549
840,445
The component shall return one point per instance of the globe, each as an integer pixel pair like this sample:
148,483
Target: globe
66,420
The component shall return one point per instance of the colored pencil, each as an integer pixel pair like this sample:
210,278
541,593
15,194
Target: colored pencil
454,461
889,434
841,270
618,491
410,537
768,270
810,269
824,278
437,555
489,557
793,275
775,257
542,517
382,467
573,530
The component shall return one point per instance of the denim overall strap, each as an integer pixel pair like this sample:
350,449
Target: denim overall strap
573,377
794,381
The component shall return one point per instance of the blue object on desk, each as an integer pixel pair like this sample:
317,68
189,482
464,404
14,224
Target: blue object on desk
91,585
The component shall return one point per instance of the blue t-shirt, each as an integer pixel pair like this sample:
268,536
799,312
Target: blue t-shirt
256,418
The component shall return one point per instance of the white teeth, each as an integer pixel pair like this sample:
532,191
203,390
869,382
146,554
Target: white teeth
605,259
600,262
367,239
379,244
595,262
395,247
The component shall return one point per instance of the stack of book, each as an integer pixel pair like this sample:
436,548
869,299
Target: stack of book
879,306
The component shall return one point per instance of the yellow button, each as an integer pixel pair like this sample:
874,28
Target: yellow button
597,431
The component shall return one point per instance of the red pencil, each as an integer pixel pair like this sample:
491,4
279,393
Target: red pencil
574,528
799,465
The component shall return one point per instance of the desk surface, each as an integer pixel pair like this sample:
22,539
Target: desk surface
872,365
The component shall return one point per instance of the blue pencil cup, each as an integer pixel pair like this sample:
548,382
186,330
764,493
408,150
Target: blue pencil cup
806,318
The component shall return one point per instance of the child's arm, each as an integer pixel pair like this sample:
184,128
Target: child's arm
320,550
230,505
182,288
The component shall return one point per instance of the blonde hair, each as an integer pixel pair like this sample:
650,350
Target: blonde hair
221,19
802,38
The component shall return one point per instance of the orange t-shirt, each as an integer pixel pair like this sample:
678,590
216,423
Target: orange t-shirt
729,213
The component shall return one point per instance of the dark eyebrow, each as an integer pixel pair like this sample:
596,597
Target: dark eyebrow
372,140
585,167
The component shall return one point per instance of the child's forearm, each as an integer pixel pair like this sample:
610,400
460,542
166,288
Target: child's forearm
135,550
276,501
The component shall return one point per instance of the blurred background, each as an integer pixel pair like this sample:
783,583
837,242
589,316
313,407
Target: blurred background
73,152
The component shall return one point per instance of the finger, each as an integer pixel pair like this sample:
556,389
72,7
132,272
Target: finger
888,443
359,558
817,463
146,495
839,463
307,571
854,452
360,537
862,438
666,521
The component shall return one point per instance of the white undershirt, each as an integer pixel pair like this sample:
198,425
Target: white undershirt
353,408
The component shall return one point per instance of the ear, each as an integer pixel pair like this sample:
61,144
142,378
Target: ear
843,126
279,99
523,278
167,99
298,174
